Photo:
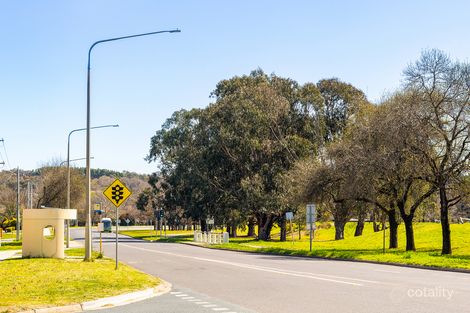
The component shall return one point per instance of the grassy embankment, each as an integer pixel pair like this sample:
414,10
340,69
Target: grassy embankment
37,282
366,247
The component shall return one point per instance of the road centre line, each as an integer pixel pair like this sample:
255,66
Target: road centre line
261,268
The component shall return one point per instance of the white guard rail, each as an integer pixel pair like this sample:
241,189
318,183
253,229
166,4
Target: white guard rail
211,238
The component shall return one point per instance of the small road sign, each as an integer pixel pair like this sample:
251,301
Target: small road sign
310,213
311,221
289,216
117,193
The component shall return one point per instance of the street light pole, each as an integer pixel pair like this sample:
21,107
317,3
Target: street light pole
88,243
18,223
67,240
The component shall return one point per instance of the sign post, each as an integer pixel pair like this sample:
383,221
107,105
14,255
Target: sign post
289,217
117,193
101,229
310,221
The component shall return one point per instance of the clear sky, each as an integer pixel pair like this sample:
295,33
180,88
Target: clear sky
138,83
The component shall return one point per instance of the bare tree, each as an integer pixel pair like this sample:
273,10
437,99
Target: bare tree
441,90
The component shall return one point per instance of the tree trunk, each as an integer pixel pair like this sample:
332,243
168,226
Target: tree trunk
446,241
265,224
203,225
360,225
229,229
410,238
283,226
233,233
251,228
376,227
339,230
392,219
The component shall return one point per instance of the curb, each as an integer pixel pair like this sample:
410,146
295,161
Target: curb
108,302
422,267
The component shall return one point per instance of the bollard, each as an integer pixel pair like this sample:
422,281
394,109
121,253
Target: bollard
226,237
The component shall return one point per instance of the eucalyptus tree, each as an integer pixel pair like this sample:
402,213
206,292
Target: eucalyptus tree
441,94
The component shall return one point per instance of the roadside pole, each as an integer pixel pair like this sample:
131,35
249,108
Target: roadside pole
164,227
117,236
289,217
117,193
310,221
18,224
383,230
292,232
101,229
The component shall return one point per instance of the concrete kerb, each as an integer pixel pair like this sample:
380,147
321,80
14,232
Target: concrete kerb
108,302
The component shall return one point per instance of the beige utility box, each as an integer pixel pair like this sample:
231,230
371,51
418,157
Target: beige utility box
43,232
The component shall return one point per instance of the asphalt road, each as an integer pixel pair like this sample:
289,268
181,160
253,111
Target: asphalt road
243,282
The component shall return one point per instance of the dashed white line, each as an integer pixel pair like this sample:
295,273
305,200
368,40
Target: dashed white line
209,305
181,295
175,292
219,309
202,302
187,298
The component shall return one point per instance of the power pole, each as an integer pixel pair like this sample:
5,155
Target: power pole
3,162
18,204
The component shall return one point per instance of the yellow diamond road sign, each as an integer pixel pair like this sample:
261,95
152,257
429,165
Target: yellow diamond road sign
117,193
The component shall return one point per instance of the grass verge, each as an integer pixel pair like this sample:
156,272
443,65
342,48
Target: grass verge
367,247
36,282
150,235
11,245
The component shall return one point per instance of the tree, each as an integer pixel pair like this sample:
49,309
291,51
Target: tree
341,101
441,93
53,187
383,149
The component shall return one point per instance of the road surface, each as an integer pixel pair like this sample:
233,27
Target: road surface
207,280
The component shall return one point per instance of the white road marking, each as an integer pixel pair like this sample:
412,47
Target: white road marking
264,269
209,305
182,295
201,302
187,298
175,292
219,309
194,300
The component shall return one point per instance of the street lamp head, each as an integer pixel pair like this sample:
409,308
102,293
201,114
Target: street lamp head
117,125
175,31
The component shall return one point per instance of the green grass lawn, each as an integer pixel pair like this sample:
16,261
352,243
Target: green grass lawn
37,282
11,235
366,247
150,235
11,245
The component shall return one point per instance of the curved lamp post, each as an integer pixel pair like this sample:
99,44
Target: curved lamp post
88,243
67,234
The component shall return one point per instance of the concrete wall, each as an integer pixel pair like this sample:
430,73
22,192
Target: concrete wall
35,243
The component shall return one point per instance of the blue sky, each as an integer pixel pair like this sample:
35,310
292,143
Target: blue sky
138,83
